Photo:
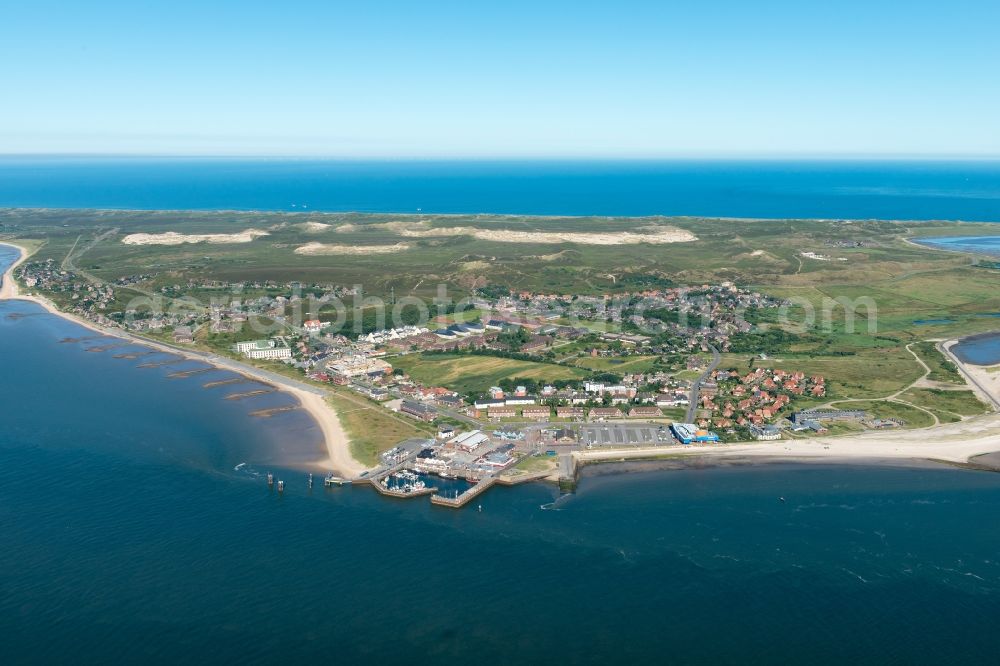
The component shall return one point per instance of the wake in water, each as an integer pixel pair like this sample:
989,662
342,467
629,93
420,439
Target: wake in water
557,504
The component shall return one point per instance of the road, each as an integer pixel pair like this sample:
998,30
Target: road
696,386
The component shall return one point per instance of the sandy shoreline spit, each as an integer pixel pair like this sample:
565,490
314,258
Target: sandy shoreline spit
8,287
657,236
984,380
321,249
339,457
174,238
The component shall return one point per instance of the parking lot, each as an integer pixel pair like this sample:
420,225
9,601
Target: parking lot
624,434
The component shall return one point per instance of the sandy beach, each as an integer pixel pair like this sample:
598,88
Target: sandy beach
953,442
311,398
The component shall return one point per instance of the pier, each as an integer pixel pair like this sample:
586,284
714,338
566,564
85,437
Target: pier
467,496
567,472
521,478
330,480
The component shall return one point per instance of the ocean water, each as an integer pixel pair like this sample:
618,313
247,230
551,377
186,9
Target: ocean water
967,190
130,532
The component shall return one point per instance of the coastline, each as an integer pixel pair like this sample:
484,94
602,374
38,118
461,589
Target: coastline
984,383
955,443
339,455
948,443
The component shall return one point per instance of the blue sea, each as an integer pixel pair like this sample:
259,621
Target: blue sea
966,190
136,527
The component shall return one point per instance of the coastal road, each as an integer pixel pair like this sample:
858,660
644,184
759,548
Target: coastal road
696,386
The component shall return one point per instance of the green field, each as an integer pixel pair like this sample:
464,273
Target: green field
942,369
963,403
868,373
913,417
475,374
633,364
862,260
372,428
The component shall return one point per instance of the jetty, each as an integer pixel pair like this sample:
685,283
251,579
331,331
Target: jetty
225,382
330,480
190,373
567,472
134,355
508,480
466,497
271,411
248,394
104,348
160,364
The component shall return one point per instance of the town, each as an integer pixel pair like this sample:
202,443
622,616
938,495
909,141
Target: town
629,369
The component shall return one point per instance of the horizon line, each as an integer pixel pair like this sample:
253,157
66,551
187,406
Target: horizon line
687,157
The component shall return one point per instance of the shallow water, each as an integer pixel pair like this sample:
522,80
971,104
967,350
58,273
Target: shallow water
981,349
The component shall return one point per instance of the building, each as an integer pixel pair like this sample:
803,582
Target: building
569,412
427,461
605,413
488,403
312,326
667,400
470,441
829,415
501,412
539,412
446,431
645,412
564,436
183,334
374,392
689,433
418,410
765,434
356,365
275,348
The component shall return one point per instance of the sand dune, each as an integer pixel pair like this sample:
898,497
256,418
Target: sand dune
655,236
318,249
174,238
313,227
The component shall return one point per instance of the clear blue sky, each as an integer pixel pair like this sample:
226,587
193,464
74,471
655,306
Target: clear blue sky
512,78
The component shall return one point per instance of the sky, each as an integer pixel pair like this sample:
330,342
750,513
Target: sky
584,79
